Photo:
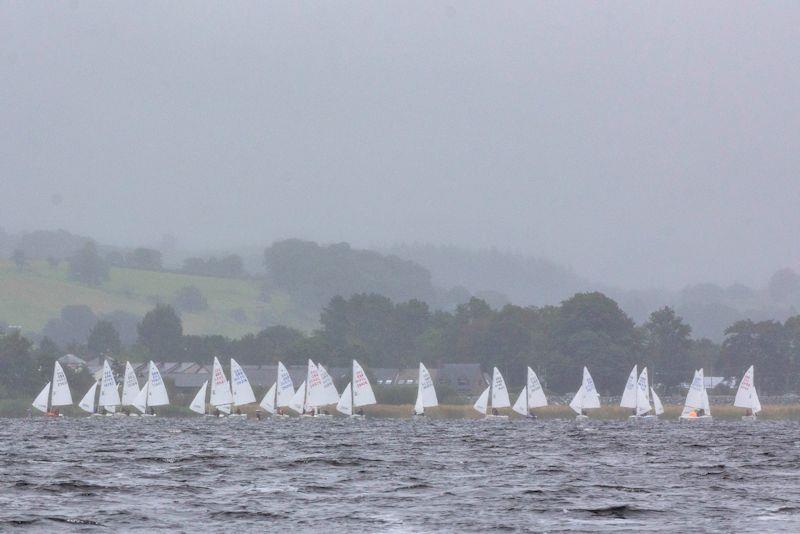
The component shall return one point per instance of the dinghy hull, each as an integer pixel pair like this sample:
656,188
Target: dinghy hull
642,418
496,418
749,418
581,418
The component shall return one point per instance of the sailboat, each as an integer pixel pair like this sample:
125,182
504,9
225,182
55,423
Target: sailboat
531,396
746,396
241,390
696,407
109,394
500,399
328,394
657,406
356,394
310,395
154,392
87,402
50,398
586,397
130,388
280,394
637,396
426,392
221,395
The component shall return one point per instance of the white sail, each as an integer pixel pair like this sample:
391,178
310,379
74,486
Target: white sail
642,396
268,402
521,404
591,397
629,395
536,397
499,390
587,396
198,404
362,390
220,388
345,404
426,392
482,404
87,402
315,396
157,392
109,394
298,402
130,386
659,408
140,402
329,393
240,385
61,395
694,397
285,387
746,396
706,405
577,401
40,402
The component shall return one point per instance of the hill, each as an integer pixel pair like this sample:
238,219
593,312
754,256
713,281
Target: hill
36,294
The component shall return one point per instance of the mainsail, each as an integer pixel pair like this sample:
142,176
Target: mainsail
426,392
285,387
140,402
60,393
240,385
587,396
221,397
746,396
532,395
157,392
130,386
109,395
499,390
362,390
694,397
642,394
329,393
315,396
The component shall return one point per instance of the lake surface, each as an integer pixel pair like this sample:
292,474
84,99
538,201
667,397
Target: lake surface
121,474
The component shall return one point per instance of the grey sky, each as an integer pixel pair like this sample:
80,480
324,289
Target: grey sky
644,144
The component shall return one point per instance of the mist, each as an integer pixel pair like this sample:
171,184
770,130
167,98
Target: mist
640,144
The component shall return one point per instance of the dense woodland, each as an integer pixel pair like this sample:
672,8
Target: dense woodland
587,329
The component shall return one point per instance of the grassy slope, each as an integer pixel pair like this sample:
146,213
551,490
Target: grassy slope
31,297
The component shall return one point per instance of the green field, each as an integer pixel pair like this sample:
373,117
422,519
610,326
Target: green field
30,297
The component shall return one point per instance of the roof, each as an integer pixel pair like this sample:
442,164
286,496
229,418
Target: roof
71,360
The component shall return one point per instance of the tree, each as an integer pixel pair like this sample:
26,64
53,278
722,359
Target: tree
73,326
45,356
17,373
667,348
87,267
104,340
189,299
161,332
765,344
19,258
144,258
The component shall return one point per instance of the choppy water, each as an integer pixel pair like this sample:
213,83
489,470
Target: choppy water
384,475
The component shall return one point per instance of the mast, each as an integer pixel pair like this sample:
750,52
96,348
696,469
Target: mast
527,387
352,388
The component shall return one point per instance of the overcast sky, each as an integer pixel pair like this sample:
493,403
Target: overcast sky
643,144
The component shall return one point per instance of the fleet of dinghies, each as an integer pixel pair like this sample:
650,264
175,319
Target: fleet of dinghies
318,391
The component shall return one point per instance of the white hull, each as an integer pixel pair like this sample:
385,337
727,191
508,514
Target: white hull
356,417
323,416
280,416
147,415
238,415
699,419
581,418
496,418
749,418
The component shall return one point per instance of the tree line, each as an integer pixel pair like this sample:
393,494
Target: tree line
557,341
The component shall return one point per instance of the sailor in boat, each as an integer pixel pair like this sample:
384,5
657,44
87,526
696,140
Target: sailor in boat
360,411
749,413
238,411
258,415
216,412
531,415
701,412
693,414
152,411
495,412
